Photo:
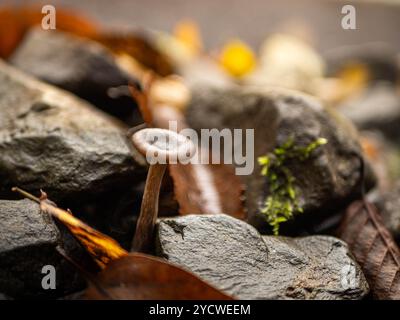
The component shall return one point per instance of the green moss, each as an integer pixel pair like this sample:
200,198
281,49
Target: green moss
282,202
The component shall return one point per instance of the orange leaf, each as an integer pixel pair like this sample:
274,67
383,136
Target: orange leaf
15,22
102,248
138,47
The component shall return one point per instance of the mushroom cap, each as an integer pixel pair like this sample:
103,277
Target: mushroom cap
163,146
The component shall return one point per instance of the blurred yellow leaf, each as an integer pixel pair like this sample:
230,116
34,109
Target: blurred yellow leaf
188,33
354,75
349,81
237,58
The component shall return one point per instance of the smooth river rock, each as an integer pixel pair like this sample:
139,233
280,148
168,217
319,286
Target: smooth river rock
81,66
51,140
235,258
326,182
28,242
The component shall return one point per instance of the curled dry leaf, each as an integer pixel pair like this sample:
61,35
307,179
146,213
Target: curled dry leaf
374,249
142,277
102,248
199,188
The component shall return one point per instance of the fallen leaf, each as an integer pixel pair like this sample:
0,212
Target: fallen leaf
188,33
15,22
207,189
138,47
199,188
374,249
142,277
102,248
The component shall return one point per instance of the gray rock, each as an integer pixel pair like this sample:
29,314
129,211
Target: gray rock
376,108
328,179
28,241
235,258
78,65
51,140
22,225
389,205
4,297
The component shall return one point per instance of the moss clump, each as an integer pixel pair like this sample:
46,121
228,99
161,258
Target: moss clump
282,202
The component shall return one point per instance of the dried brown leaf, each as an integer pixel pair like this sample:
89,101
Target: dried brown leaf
142,277
15,22
374,249
207,189
138,47
102,248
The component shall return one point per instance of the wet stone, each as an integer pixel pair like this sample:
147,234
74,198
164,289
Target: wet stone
328,179
234,257
28,242
81,66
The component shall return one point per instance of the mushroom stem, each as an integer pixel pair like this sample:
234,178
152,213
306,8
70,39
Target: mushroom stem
143,240
156,144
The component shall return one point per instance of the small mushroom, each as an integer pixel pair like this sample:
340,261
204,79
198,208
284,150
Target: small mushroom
161,147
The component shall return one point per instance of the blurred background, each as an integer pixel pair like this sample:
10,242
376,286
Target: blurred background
204,64
249,20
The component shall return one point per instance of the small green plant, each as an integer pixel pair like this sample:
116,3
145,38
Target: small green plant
282,203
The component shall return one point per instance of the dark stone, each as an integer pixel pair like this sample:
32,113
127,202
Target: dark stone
28,241
81,66
330,178
234,257
22,224
51,140
377,107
